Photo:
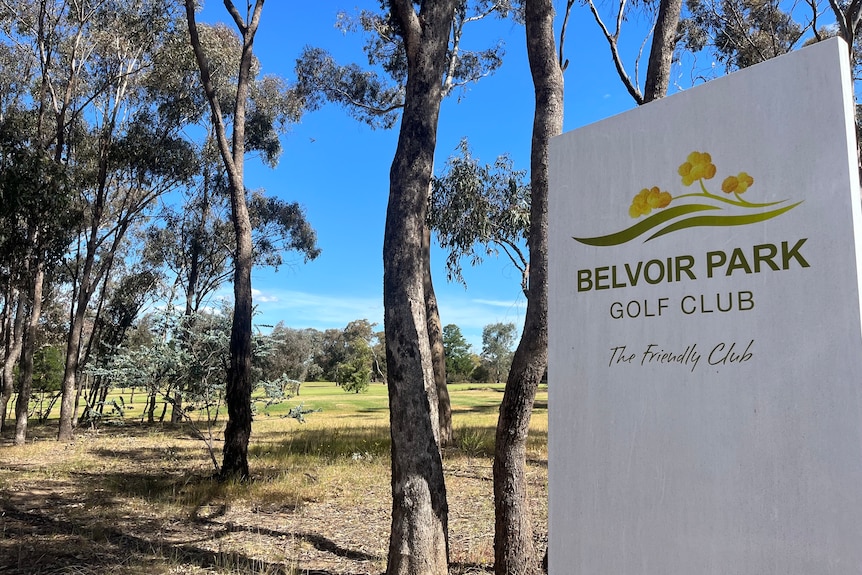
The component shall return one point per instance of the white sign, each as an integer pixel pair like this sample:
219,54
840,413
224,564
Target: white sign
706,344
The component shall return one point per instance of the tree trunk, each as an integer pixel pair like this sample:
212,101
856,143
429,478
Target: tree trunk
103,396
87,283
151,407
73,344
661,51
418,541
435,339
238,389
514,550
22,406
16,335
5,341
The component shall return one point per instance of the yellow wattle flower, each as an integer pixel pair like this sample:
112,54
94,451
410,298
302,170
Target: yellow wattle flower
698,166
648,199
737,184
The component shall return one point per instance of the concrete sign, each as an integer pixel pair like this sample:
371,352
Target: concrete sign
706,344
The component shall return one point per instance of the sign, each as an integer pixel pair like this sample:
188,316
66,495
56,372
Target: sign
706,343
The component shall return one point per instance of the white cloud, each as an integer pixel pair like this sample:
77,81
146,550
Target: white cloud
324,311
522,304
259,297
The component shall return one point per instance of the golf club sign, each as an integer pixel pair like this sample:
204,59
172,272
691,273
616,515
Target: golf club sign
705,369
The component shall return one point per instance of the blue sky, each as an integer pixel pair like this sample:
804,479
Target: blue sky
338,169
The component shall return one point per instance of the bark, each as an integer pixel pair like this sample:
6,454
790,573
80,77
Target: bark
418,541
73,346
435,340
16,334
22,406
150,408
514,550
238,390
661,51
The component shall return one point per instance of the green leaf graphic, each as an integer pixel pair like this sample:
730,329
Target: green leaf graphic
645,225
703,221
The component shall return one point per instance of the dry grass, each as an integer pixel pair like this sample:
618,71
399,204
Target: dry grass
141,499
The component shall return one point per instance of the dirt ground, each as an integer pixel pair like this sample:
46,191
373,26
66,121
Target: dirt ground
135,501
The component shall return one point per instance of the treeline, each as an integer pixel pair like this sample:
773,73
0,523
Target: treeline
176,359
103,115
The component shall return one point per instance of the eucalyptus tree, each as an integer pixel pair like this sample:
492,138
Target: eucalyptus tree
16,122
294,353
87,61
497,342
238,430
193,241
192,238
127,157
419,535
34,199
514,549
229,94
376,97
34,221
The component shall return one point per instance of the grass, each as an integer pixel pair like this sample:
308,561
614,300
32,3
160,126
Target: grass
140,498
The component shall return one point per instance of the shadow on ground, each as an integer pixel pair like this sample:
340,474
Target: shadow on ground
36,542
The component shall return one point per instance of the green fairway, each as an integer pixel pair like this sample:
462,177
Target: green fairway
473,404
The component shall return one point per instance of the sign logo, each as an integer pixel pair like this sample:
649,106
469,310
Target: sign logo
684,212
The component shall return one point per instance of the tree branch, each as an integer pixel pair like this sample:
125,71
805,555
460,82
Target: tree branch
411,27
565,63
632,88
237,17
206,80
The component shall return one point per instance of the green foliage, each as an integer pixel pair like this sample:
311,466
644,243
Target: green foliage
193,240
48,366
353,372
375,95
321,79
742,32
188,353
459,361
477,210
351,355
280,226
354,375
123,305
37,215
150,153
475,442
293,354
298,412
497,342
481,374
